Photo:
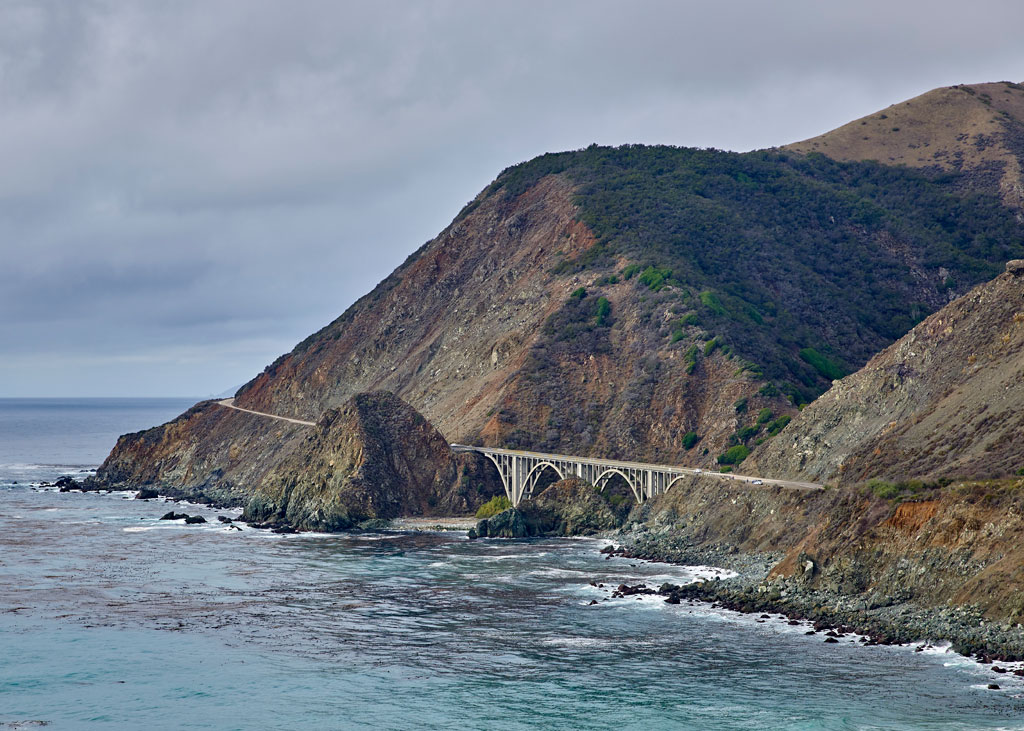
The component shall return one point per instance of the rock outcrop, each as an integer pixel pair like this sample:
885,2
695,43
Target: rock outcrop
572,507
506,524
373,458
946,400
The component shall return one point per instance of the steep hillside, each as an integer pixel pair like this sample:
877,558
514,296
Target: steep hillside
651,303
946,564
774,254
946,400
975,129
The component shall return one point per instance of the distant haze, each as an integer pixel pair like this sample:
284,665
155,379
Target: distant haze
189,189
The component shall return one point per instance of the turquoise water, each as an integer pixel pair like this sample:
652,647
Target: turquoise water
110,618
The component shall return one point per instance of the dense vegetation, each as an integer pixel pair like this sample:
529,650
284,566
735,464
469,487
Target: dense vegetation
803,266
497,504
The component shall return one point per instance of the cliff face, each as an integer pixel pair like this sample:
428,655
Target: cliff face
946,400
957,546
373,458
209,452
976,129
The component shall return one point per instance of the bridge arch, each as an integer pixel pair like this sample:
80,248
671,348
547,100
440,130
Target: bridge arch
502,464
533,476
602,481
675,479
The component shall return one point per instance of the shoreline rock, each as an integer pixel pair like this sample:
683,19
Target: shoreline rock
889,622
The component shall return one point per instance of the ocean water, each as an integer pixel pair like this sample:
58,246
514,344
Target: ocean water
113,619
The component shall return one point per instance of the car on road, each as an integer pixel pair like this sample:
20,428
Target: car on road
758,482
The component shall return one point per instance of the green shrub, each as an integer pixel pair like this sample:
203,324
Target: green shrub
631,271
711,301
768,390
726,469
884,490
691,359
579,294
690,439
764,416
747,432
741,405
655,277
603,311
823,365
778,425
497,504
709,346
734,455
1021,471
686,321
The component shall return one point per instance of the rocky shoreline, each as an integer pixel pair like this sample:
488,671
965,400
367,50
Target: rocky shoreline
881,621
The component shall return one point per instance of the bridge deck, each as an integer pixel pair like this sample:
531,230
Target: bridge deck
521,465
595,461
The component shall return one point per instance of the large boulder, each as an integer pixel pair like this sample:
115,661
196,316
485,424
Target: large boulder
373,458
570,507
506,524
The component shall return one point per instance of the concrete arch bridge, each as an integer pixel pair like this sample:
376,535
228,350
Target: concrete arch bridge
521,471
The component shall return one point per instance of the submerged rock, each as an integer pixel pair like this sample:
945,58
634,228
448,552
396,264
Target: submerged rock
146,493
67,484
194,519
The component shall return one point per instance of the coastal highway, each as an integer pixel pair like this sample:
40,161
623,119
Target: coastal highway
230,403
750,479
618,464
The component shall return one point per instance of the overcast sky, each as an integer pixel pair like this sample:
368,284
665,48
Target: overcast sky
189,189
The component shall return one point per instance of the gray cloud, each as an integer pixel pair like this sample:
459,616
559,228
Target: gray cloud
188,189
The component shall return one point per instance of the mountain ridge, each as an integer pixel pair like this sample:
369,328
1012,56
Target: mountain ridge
653,303
973,128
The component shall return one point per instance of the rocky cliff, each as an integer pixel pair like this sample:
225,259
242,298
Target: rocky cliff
373,458
946,400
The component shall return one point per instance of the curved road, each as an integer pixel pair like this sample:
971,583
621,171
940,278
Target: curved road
230,403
